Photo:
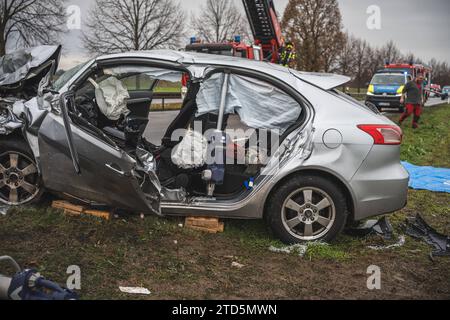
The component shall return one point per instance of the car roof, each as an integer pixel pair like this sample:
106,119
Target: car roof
322,80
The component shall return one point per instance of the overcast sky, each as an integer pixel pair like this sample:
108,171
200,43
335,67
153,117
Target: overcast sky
417,26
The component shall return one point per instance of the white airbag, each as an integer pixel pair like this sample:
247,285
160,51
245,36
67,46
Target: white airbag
111,96
192,152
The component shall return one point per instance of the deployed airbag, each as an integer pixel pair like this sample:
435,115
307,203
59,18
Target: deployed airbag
259,104
111,96
191,152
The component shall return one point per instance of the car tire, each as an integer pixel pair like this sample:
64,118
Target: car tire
307,208
20,181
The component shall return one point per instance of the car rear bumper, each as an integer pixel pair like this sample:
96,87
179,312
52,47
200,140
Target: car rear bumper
381,184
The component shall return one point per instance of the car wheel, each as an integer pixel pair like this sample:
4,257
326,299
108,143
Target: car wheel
20,182
307,208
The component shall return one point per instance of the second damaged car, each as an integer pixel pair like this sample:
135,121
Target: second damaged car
252,140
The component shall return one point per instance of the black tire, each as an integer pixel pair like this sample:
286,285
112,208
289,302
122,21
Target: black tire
276,212
16,145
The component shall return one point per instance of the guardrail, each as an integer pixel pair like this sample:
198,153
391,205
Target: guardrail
166,96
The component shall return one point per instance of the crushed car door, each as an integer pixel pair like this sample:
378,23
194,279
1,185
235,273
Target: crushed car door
78,160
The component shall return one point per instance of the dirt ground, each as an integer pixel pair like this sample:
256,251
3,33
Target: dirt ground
176,263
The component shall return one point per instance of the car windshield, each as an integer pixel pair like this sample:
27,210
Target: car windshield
446,89
388,79
66,76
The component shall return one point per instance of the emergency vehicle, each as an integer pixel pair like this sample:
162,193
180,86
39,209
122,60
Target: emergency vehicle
266,29
386,88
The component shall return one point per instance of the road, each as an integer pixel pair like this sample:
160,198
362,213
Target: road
434,102
158,124
160,121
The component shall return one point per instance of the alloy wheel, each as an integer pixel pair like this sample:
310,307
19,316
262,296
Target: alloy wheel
308,213
19,179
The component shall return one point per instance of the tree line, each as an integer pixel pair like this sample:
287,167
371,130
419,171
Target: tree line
314,26
316,29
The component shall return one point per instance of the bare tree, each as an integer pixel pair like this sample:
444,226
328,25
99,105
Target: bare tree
29,22
346,57
361,50
123,25
315,26
219,21
391,53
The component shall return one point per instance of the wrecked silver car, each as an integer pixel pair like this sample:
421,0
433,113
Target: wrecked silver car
252,140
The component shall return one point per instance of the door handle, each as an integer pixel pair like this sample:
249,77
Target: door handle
119,172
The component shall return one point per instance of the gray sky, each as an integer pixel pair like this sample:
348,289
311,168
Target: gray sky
417,26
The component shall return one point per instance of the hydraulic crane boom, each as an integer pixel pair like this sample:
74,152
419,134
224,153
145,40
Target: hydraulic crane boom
265,27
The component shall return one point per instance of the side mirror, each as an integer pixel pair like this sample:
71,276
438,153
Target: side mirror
67,102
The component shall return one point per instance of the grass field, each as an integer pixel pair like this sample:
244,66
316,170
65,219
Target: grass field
176,263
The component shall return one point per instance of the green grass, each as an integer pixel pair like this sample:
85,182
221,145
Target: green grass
428,145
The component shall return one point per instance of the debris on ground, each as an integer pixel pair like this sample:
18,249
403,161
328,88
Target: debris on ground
78,210
4,210
211,225
135,290
299,249
380,227
400,243
419,229
237,265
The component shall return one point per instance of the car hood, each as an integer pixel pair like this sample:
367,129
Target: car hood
325,81
27,67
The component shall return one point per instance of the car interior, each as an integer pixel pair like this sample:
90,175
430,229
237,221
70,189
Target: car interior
114,104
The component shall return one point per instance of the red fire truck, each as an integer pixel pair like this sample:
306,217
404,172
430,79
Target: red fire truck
413,70
266,31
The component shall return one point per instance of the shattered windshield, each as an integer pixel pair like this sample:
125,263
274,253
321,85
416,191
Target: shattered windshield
66,76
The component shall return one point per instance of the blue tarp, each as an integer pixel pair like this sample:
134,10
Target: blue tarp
428,178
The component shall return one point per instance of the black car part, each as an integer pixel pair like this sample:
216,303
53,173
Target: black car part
419,229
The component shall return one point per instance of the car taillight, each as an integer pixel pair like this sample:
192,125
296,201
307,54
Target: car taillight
383,134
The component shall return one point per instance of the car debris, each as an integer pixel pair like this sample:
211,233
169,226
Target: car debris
299,249
135,290
4,210
401,242
418,228
237,265
380,227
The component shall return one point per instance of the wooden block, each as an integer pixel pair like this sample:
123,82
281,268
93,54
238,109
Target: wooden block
64,205
71,213
210,223
202,229
99,214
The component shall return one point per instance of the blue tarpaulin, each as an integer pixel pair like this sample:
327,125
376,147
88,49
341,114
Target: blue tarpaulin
428,178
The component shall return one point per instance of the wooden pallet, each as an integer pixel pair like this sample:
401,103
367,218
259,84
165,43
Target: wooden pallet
77,210
210,225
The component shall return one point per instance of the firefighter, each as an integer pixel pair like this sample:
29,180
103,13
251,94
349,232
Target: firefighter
288,54
413,98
